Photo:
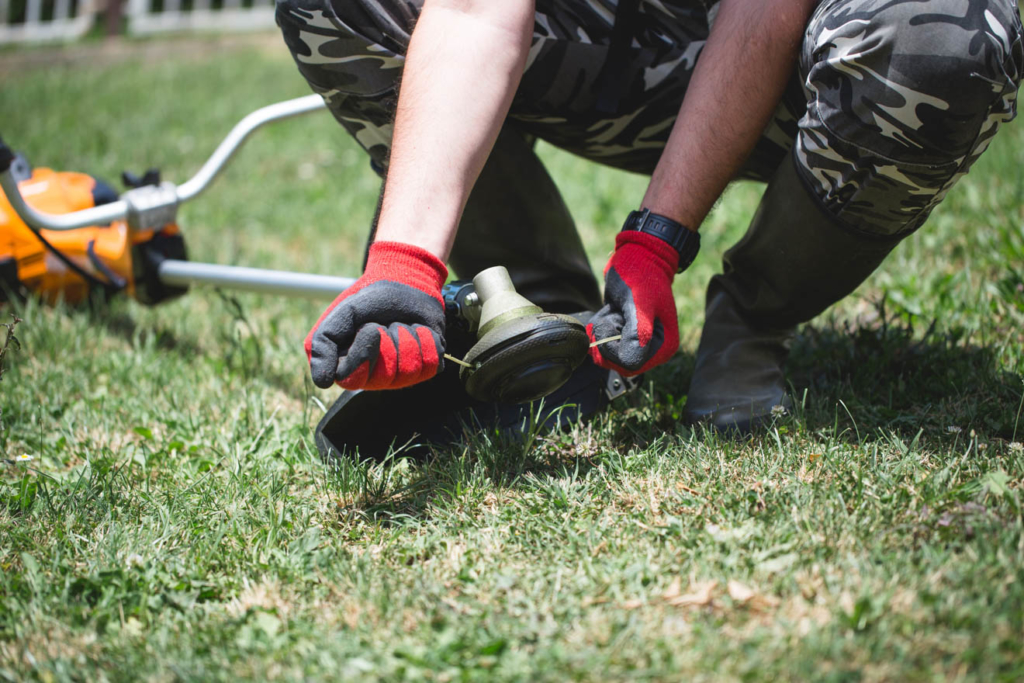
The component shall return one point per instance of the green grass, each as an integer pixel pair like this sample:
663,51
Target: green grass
177,524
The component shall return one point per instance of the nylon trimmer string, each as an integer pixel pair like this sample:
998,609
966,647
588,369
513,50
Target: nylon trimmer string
459,362
473,367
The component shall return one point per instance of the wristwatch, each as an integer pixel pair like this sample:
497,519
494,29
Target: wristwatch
685,241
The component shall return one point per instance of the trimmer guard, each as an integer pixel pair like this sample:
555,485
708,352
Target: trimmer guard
436,413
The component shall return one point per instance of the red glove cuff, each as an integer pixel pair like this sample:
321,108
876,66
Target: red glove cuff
632,245
407,264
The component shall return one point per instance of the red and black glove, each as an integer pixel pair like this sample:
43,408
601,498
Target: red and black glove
387,330
639,305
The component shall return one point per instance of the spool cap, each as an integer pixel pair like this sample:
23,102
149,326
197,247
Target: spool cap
525,359
499,300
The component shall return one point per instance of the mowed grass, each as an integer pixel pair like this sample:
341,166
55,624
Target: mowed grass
176,522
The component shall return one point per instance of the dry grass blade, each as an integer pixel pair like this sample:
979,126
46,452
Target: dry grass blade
739,592
700,595
10,341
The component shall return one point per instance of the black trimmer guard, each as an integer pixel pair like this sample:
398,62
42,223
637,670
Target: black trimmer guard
369,424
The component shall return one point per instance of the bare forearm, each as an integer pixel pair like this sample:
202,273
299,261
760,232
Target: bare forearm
464,64
736,86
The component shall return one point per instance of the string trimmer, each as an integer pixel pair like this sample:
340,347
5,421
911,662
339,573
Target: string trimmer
70,236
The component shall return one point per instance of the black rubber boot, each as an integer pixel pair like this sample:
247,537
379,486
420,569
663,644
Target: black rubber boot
795,261
515,218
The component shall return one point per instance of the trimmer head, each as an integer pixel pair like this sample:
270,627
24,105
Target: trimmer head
521,353
525,359
437,413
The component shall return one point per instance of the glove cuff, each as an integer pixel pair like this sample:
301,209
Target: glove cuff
637,244
406,264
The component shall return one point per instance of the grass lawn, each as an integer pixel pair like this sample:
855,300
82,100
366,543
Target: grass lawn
176,523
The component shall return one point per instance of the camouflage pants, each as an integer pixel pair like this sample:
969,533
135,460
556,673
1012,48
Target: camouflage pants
892,102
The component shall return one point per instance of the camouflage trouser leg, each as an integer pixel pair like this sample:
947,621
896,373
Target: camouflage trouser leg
892,102
903,96
351,52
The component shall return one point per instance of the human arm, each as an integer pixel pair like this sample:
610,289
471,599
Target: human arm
736,85
464,63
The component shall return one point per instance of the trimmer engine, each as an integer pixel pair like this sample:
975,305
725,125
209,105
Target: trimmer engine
76,265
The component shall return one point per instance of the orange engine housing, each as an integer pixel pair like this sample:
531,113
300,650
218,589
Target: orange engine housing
97,250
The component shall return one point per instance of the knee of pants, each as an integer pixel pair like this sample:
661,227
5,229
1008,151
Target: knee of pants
913,82
346,61
340,58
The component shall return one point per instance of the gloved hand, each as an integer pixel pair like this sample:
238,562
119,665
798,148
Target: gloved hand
639,305
387,330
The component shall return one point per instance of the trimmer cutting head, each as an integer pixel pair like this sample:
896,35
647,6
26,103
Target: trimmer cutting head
525,358
522,353
440,412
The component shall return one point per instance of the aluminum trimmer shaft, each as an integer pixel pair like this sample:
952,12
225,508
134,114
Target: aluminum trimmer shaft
186,273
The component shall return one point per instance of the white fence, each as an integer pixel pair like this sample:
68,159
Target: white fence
65,22
233,15
36,21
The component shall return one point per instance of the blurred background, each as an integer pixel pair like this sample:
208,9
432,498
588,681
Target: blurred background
38,21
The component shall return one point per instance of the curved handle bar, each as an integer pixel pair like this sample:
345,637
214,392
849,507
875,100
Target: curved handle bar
120,209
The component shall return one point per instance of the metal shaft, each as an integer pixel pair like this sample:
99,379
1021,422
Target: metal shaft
283,283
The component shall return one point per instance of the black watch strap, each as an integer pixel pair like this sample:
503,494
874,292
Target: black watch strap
685,241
